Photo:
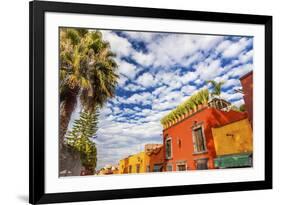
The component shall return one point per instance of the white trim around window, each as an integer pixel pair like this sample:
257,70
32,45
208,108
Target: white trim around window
171,148
195,151
180,163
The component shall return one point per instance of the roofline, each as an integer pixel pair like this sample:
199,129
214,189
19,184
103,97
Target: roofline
246,117
198,111
246,75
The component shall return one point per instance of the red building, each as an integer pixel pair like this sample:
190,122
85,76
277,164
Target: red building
189,143
247,84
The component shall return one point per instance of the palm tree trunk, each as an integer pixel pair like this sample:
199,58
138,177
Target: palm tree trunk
66,156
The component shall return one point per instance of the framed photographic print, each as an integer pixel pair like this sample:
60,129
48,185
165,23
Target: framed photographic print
139,102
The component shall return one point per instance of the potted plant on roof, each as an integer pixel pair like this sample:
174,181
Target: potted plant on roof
194,102
180,112
188,107
183,111
203,97
174,116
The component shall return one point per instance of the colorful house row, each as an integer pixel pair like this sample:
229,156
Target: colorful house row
212,136
149,160
108,169
197,141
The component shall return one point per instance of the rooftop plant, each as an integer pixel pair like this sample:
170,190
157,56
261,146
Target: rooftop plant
199,98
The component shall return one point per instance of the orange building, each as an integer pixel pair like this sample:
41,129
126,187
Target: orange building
156,157
247,84
189,143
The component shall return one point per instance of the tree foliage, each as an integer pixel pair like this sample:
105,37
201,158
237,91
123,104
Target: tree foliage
88,72
80,138
86,64
216,88
242,108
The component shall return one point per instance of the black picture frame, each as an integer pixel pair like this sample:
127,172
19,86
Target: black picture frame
37,9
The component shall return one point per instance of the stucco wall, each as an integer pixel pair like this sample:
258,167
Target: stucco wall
181,135
233,138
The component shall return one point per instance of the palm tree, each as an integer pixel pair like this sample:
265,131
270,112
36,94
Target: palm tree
88,71
216,89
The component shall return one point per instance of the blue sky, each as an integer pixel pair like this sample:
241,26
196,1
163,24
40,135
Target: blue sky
157,72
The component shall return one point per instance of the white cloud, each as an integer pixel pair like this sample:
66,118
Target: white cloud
188,77
159,90
122,80
180,48
136,108
145,59
240,70
198,81
208,42
165,105
230,83
127,69
198,56
246,56
146,80
223,45
116,110
141,36
188,89
139,98
235,49
165,77
232,96
120,46
133,87
235,96
172,96
239,102
210,70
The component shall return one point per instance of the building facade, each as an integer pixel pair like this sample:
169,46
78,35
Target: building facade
155,153
247,84
189,144
233,144
149,160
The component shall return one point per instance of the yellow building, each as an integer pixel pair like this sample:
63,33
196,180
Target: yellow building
233,138
134,163
149,160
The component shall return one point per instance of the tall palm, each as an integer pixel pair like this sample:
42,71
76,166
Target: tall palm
88,71
217,86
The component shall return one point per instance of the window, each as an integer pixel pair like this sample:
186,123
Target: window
181,165
130,169
157,167
202,164
147,168
138,168
199,140
169,168
168,148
